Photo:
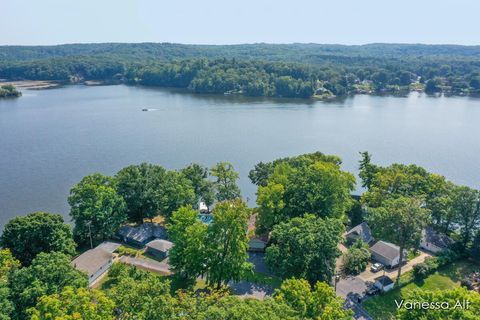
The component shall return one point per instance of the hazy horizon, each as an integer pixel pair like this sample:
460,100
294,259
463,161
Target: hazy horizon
215,22
243,43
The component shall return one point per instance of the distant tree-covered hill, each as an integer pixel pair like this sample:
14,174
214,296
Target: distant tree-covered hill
287,70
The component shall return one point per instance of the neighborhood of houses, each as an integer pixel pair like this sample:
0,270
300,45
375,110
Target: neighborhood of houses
152,240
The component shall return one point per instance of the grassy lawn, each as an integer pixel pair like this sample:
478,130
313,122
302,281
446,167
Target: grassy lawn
383,306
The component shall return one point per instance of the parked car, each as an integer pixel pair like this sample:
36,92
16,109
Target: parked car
372,290
355,297
376,267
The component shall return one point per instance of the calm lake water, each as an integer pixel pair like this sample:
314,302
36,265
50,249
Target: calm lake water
50,139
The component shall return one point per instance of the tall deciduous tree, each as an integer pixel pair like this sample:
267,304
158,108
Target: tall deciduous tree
203,188
226,181
305,247
399,221
37,232
8,265
367,169
227,243
466,212
74,303
48,274
139,185
96,208
188,255
149,190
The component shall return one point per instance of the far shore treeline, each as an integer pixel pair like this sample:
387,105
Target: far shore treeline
304,206
265,70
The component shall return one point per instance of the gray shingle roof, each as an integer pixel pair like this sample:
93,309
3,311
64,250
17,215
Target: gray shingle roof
143,232
386,249
384,280
363,231
92,260
160,245
438,239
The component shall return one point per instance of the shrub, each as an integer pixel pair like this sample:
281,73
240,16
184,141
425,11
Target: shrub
125,251
356,259
431,264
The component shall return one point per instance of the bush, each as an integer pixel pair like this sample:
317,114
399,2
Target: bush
431,264
356,259
125,251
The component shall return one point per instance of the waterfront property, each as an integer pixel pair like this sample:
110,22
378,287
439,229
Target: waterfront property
140,235
435,241
95,262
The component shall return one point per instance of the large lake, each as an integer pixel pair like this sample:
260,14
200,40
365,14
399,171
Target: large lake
50,139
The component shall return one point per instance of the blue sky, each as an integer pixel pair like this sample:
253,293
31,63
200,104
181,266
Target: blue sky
245,21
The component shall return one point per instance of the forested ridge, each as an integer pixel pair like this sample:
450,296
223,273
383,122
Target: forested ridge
285,70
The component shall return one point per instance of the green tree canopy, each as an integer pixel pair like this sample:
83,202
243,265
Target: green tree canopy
305,247
227,243
465,211
149,190
355,260
97,208
73,303
48,274
319,188
319,302
225,181
37,232
203,188
8,265
188,255
262,171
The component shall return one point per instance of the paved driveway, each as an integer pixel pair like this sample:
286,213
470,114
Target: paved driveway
246,289
368,275
349,285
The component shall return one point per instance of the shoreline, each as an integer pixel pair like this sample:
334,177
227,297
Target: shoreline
33,84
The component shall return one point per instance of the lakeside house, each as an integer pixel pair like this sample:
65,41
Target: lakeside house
159,248
435,241
140,235
95,262
384,283
387,253
362,232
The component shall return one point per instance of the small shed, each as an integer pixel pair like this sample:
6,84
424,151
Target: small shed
361,231
435,241
384,283
159,248
386,253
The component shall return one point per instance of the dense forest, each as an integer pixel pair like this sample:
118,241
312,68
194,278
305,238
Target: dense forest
293,70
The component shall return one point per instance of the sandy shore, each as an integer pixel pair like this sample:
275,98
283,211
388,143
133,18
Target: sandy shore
33,85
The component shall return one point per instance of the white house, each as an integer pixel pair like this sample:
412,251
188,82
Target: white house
384,283
95,262
434,241
387,253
